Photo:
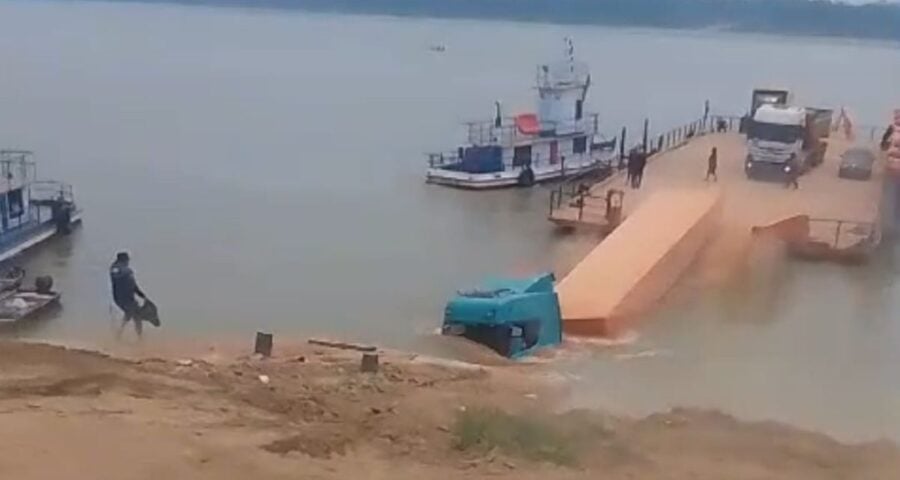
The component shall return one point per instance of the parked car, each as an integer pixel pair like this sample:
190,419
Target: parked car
857,163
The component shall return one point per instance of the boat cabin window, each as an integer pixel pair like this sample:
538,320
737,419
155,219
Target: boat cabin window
579,145
579,109
522,156
14,202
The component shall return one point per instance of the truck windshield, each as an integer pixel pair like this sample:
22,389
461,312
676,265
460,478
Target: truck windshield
773,132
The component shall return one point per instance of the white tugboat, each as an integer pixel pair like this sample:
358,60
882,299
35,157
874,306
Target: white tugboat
558,141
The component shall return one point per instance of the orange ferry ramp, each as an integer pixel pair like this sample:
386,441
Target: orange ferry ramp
639,261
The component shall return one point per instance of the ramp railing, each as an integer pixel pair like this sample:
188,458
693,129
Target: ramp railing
575,191
839,233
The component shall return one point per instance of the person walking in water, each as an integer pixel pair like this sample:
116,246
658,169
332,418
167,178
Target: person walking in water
712,165
124,291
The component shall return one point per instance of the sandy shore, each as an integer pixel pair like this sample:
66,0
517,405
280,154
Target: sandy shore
310,413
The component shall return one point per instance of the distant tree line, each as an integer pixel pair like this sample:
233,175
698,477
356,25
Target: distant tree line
798,17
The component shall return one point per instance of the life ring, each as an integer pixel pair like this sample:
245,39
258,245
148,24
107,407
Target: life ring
526,177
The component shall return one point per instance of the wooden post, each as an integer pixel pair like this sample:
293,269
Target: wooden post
552,202
837,234
263,345
369,363
646,132
555,196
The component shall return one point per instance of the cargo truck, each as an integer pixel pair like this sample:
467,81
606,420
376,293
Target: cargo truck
783,138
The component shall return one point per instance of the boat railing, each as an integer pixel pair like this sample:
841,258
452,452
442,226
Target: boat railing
562,74
17,167
681,134
443,159
45,192
600,156
575,191
508,133
584,205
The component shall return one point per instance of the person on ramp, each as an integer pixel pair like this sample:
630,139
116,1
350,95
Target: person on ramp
124,291
712,165
640,164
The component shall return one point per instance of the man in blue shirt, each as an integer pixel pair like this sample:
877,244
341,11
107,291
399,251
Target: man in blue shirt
125,290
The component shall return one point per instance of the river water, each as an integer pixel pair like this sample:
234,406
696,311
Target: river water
265,169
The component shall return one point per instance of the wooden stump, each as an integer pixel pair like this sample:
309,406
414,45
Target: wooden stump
263,345
369,363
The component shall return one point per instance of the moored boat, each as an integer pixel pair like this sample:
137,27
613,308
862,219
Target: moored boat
558,141
31,210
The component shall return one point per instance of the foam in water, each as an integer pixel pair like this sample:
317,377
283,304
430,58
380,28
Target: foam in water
627,338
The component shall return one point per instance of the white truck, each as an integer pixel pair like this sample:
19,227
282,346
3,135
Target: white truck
783,138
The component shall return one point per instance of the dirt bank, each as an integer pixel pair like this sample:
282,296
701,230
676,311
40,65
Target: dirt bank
309,413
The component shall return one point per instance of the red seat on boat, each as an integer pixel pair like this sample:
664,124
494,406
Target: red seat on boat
528,124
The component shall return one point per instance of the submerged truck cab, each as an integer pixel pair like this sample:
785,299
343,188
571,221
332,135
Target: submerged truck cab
513,317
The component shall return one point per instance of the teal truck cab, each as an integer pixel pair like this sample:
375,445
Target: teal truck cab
513,317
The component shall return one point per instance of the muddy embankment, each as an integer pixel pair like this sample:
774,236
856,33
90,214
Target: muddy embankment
310,413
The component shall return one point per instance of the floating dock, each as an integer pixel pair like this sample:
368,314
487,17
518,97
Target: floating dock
822,195
666,221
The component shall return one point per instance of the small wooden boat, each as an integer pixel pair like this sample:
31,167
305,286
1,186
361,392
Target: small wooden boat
24,304
11,279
